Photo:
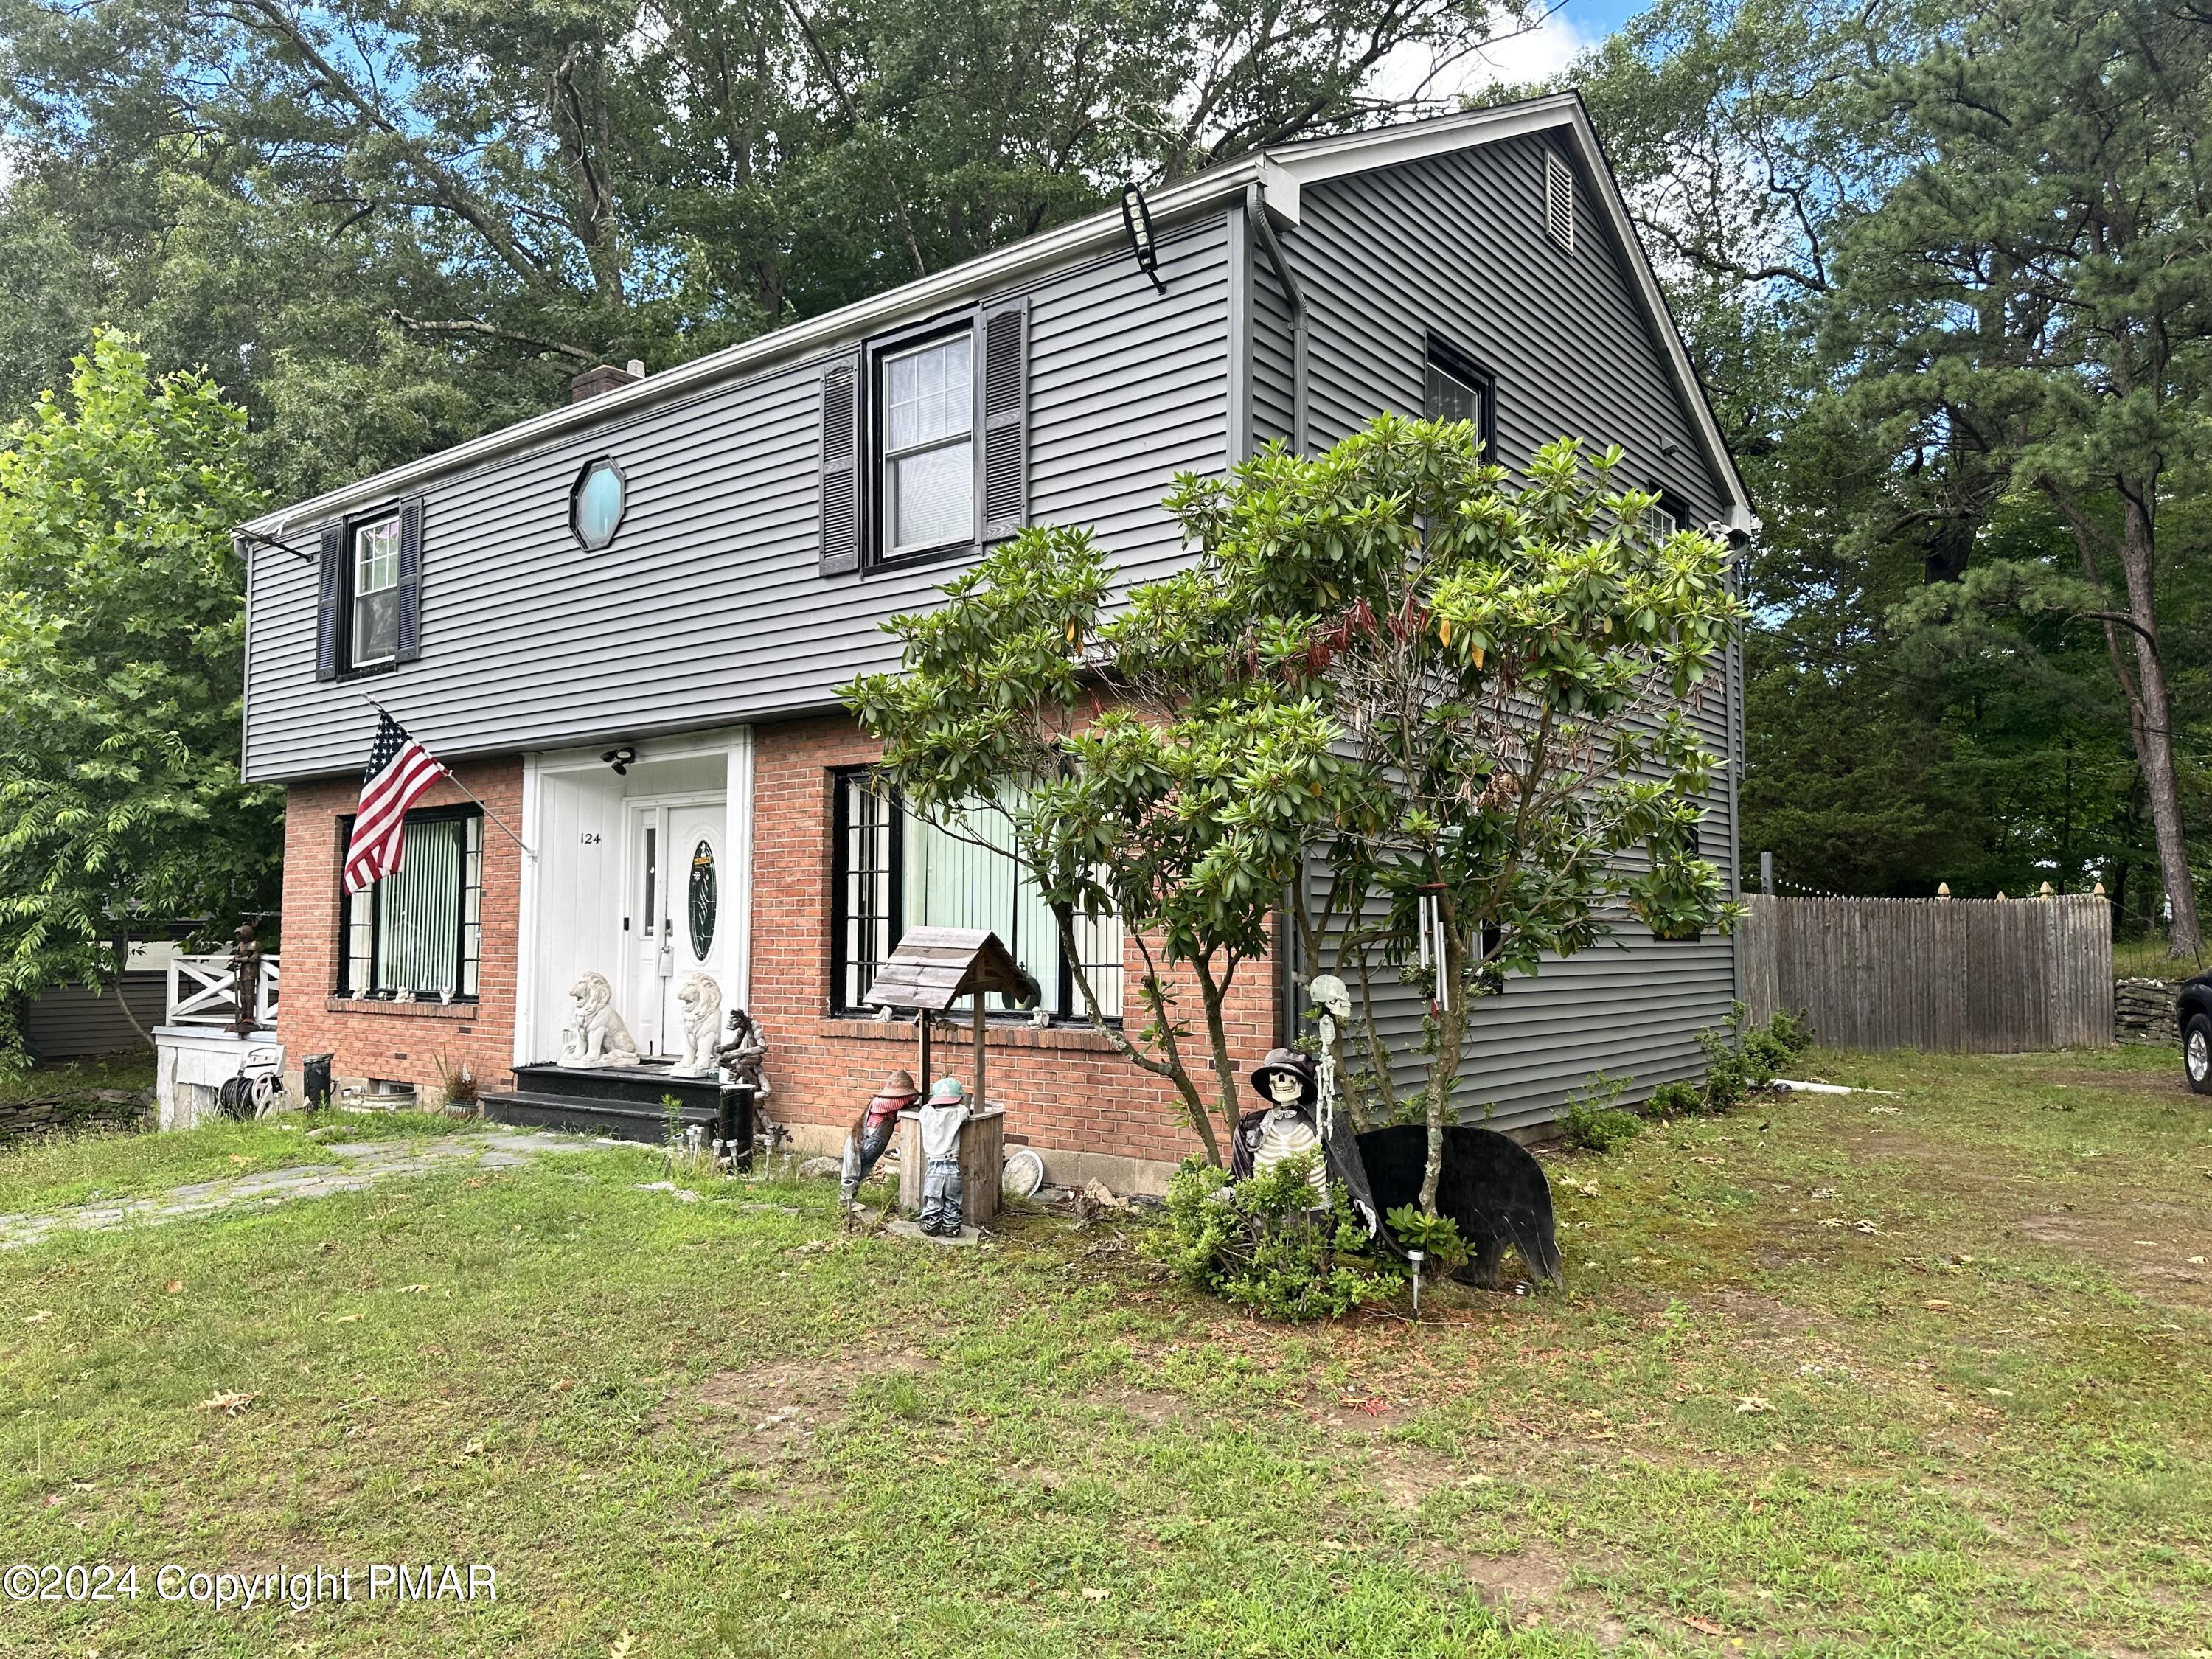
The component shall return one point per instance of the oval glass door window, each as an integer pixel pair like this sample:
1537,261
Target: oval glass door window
701,900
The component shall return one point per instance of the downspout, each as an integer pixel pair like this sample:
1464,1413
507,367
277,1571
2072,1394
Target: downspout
1287,944
1256,217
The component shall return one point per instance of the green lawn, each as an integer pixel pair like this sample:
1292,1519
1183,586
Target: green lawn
1954,1404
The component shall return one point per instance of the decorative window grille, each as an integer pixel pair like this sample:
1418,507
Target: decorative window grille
893,872
1559,201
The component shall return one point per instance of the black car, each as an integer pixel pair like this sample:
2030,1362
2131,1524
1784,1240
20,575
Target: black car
2196,1012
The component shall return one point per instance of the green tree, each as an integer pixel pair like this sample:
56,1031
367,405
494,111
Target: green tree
120,672
2036,294
1454,690
387,229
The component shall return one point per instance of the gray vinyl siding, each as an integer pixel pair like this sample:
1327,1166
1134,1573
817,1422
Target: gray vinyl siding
69,1023
1454,245
1274,353
708,609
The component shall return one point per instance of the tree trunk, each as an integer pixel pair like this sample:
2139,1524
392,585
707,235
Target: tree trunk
1225,1068
2150,713
120,945
1443,1070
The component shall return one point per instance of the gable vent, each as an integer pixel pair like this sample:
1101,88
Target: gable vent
1558,202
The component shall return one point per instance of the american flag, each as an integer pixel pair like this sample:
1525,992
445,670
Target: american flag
399,769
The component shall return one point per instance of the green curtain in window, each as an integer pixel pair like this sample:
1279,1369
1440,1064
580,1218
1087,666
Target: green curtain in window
419,919
951,881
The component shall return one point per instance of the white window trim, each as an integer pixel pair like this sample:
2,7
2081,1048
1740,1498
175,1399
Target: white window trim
354,595
889,457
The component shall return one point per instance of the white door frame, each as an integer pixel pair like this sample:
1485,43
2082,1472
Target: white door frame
538,889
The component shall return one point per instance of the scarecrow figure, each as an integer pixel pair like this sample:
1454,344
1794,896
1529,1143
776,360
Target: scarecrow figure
944,1198
872,1133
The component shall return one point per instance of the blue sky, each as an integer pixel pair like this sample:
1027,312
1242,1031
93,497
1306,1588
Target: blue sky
1565,32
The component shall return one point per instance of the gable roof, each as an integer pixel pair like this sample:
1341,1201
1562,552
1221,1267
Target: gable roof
1279,172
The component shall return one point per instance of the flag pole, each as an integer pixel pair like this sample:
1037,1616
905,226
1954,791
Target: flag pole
529,850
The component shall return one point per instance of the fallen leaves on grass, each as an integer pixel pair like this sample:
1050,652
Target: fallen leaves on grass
1703,1626
1864,1225
229,1404
623,1646
1092,1593
174,1287
239,1157
42,1315
346,1319
1752,1404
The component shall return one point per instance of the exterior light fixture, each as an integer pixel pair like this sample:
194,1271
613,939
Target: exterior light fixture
1137,221
620,760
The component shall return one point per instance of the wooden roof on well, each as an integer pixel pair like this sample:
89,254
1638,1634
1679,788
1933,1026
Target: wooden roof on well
934,967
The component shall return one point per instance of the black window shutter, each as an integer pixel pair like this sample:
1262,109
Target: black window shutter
410,581
840,467
1006,419
329,595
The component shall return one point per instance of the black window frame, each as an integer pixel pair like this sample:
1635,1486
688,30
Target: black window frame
1441,356
576,502
875,520
1060,997
341,986
348,573
1669,503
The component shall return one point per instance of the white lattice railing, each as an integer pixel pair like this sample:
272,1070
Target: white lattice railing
202,991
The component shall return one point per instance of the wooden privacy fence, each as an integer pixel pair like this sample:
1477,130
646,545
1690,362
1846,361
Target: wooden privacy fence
1972,975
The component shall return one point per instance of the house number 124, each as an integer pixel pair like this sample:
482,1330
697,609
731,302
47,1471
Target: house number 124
590,838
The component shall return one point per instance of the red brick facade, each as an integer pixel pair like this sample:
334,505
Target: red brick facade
402,1042
1064,1088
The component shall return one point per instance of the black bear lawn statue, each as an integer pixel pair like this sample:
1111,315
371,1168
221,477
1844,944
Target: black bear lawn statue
1491,1185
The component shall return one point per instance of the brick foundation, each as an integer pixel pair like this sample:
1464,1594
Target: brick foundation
1065,1088
402,1042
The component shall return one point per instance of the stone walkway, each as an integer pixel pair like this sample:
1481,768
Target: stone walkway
362,1164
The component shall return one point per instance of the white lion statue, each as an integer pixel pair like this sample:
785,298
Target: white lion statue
701,999
595,1034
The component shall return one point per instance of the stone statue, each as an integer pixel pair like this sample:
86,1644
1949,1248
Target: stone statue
1284,1127
744,1053
595,1034
701,999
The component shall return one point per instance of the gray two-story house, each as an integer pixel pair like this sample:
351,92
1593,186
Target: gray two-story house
622,622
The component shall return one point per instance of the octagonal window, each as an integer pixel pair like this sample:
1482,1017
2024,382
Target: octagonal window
595,508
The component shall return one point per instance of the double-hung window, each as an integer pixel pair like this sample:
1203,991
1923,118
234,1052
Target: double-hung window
419,930
928,482
894,871
375,593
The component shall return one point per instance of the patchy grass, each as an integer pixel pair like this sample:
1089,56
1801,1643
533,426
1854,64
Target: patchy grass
2150,957
1954,1403
53,1171
133,1070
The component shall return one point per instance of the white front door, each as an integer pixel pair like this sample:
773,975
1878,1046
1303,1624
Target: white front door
677,871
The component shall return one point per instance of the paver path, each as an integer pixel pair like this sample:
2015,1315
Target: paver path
364,1163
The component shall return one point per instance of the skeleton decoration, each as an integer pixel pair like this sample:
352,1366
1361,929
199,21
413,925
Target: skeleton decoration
872,1133
1333,998
744,1053
1283,1127
595,1034
943,1195
701,1000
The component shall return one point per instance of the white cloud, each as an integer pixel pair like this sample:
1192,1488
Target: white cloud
1516,56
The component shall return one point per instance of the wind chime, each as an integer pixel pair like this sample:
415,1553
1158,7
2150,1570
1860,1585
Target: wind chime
1434,955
